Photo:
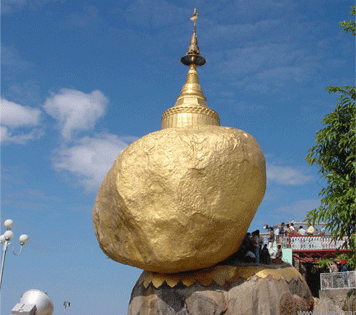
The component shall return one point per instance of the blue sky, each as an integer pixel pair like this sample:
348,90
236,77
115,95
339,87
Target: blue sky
83,79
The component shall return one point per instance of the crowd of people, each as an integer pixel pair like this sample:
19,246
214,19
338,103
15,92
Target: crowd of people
338,266
253,249
283,231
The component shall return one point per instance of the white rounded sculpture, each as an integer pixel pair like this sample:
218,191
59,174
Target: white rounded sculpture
42,301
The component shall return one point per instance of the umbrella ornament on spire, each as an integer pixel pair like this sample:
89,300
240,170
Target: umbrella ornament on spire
193,55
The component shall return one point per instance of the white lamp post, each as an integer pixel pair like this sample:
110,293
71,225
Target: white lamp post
5,240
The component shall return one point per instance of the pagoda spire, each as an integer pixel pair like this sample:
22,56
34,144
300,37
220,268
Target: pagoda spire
191,107
193,55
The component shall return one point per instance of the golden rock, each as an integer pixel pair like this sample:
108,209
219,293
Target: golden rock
180,199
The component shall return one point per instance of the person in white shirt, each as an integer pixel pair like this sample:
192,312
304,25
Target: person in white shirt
277,255
276,235
291,228
301,231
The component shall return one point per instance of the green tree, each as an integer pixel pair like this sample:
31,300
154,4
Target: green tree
335,155
350,26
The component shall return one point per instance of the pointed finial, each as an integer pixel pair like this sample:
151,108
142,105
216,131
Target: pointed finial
194,19
193,55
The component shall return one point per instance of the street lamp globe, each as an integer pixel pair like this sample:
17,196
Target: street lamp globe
2,239
8,235
23,239
9,224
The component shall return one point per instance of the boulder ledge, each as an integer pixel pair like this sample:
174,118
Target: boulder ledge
226,289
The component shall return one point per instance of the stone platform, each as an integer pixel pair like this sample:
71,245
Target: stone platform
238,288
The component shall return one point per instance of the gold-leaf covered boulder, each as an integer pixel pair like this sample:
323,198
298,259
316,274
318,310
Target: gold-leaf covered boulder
180,199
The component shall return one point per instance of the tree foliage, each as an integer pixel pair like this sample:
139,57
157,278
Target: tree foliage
335,155
350,26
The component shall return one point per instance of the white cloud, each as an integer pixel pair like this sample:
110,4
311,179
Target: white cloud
15,115
264,56
12,60
4,133
265,67
11,6
156,13
88,17
27,91
297,210
258,57
8,6
90,158
75,110
286,175
8,136
283,74
14,118
232,34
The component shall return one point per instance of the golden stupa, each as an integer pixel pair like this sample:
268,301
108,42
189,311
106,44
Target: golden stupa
181,198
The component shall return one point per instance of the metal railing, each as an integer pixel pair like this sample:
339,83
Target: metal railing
315,242
338,280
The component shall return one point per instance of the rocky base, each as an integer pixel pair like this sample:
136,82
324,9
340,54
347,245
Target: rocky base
335,302
250,289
